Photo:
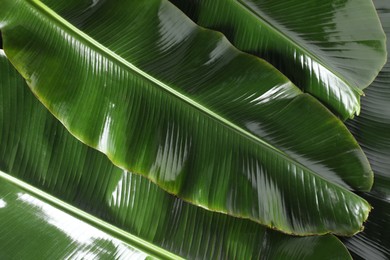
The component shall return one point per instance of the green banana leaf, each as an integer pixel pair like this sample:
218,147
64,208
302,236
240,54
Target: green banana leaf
372,129
32,228
35,148
177,103
332,49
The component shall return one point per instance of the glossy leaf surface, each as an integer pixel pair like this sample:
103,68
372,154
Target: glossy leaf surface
372,130
167,99
332,49
32,228
36,148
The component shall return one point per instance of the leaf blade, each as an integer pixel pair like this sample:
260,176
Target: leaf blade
332,50
372,130
36,149
166,147
29,212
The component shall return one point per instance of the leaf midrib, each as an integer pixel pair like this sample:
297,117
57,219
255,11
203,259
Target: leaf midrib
288,38
84,37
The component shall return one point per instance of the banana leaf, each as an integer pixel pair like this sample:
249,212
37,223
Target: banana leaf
372,130
32,228
331,49
36,149
178,104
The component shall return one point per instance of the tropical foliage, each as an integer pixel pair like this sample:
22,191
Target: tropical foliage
239,158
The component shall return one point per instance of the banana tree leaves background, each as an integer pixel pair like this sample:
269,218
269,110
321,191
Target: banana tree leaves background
331,49
33,229
372,127
35,148
372,130
177,103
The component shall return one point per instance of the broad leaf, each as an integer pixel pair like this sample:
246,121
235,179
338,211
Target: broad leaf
167,99
372,129
36,148
32,228
332,49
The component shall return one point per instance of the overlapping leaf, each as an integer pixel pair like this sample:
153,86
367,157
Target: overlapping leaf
31,228
372,130
36,148
373,243
178,104
372,127
332,49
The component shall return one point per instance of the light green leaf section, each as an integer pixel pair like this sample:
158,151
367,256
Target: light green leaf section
178,104
36,149
331,49
372,130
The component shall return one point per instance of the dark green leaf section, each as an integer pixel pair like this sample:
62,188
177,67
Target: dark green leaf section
372,129
34,229
374,242
167,99
36,148
332,49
